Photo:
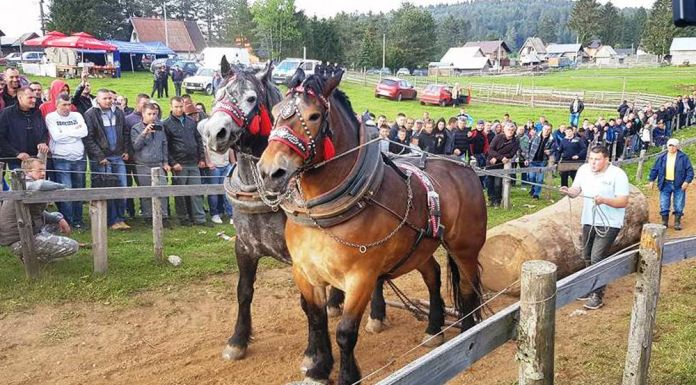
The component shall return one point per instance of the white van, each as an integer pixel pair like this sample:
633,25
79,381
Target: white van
285,69
212,56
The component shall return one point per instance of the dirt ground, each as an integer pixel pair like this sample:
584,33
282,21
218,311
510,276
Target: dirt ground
176,336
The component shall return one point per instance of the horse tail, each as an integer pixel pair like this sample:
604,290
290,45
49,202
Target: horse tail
467,307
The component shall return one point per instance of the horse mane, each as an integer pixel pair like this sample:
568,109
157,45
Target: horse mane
315,84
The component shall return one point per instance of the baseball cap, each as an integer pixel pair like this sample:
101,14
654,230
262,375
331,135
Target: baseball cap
673,142
481,121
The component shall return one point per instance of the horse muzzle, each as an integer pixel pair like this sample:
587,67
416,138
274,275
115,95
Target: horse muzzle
276,173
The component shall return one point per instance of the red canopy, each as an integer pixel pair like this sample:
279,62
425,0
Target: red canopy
81,40
42,40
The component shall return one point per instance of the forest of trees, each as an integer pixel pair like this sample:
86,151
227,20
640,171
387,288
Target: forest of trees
414,35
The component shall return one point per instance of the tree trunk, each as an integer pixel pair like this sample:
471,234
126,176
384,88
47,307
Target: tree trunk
546,235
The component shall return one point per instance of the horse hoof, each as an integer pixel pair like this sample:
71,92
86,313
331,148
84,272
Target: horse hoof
233,353
307,363
375,326
334,312
431,341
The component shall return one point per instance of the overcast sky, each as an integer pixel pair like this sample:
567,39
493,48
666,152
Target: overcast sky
19,16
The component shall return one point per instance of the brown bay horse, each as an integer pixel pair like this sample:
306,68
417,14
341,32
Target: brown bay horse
380,236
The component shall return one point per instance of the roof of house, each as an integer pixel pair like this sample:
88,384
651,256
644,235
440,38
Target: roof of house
536,43
488,47
606,51
15,41
2,33
683,44
625,51
184,36
458,55
594,44
465,58
554,48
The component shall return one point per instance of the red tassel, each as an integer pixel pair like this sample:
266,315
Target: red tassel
255,125
266,123
329,150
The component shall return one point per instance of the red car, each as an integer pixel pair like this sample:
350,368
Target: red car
395,89
436,94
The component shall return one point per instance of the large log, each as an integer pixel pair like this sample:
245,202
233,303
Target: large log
548,235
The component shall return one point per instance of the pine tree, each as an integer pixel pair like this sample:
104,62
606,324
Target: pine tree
547,29
584,20
660,29
611,21
369,50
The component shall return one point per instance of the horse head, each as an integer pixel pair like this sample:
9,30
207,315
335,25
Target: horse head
241,114
302,135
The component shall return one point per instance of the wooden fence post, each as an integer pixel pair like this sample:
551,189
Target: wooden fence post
506,187
26,233
548,178
639,170
157,228
640,332
536,330
97,217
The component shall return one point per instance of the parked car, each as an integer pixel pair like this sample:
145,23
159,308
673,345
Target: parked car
286,69
188,66
15,59
201,81
395,89
168,62
146,61
385,71
11,59
436,94
403,71
420,72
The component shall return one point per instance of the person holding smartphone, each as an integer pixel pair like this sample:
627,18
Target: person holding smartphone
150,150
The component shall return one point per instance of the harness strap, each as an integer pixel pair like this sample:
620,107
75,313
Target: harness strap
406,257
434,228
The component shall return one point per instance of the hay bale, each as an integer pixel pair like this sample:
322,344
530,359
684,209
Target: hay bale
548,234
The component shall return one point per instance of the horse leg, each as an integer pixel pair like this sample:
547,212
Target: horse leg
318,359
377,320
357,298
237,344
333,306
430,271
465,279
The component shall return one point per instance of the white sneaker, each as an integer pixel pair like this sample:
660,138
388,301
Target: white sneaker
216,219
232,221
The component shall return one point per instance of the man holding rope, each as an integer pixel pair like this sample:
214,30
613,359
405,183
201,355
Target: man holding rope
605,189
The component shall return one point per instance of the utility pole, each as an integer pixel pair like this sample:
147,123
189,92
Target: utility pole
43,17
166,29
384,54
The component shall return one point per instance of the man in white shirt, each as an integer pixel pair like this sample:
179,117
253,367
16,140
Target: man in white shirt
605,190
67,128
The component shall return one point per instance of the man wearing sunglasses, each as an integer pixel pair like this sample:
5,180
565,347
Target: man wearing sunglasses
674,174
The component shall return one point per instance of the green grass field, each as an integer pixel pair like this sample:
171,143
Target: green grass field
133,270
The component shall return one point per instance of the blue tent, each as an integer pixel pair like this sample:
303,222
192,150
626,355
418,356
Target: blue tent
130,54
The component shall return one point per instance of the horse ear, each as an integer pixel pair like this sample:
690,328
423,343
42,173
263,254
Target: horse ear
297,78
264,75
333,82
225,67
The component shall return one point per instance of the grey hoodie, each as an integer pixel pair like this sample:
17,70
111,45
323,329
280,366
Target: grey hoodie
150,149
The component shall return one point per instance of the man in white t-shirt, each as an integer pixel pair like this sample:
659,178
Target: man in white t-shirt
67,128
605,190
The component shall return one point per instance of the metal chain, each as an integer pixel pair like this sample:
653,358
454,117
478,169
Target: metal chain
361,247
274,204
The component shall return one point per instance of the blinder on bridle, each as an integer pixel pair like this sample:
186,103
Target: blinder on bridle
258,121
306,148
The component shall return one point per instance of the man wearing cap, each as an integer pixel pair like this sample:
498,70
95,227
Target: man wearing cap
674,173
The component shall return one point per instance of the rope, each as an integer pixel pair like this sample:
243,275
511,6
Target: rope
394,360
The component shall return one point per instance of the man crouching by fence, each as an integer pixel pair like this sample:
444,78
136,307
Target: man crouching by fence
47,245
605,190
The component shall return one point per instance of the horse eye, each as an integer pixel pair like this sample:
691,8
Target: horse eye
314,117
251,99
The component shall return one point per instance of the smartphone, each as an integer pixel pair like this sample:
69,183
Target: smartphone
157,127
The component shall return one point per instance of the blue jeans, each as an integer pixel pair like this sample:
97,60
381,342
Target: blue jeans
536,177
116,208
481,163
71,174
218,204
666,192
574,119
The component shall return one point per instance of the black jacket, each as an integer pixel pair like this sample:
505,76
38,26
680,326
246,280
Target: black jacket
96,144
83,103
21,131
581,107
184,142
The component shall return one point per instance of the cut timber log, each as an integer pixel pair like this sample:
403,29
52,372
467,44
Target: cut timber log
552,234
